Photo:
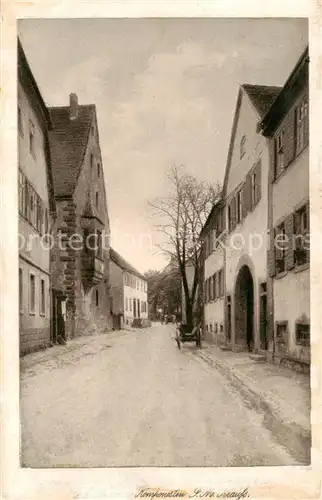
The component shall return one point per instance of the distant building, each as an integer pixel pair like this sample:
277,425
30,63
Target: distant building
80,271
286,125
129,292
36,211
214,277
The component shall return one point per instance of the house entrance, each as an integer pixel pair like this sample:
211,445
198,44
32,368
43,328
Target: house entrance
134,308
263,317
244,309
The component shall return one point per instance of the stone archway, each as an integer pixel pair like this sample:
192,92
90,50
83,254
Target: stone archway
244,308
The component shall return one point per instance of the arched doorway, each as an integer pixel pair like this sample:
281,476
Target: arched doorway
244,308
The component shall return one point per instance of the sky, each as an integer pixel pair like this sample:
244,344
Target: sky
165,91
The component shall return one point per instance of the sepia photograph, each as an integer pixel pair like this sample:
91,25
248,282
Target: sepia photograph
164,242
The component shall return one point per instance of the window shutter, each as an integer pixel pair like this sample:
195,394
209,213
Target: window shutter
258,191
247,192
289,233
306,122
271,254
289,138
233,213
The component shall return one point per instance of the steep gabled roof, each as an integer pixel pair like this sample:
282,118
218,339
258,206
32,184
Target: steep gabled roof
123,264
68,141
219,204
294,84
261,96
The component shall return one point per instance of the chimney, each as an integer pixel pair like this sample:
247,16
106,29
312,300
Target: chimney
73,106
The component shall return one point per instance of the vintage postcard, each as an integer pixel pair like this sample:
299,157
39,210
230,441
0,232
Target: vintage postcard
160,280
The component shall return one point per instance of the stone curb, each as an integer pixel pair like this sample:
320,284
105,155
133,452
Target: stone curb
291,435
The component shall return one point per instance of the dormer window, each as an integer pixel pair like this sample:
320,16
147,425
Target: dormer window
96,199
98,170
92,161
242,146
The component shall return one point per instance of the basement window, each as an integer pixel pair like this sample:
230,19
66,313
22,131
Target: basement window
302,334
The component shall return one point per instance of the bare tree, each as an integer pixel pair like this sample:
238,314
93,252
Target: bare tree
180,218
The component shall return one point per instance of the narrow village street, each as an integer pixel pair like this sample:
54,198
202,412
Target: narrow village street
131,398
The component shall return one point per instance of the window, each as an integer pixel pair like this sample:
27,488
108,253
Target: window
256,184
279,144
221,328
215,279
280,250
221,283
96,199
282,331
42,297
32,293
20,123
32,138
126,304
211,327
92,161
239,207
92,130
302,334
20,290
98,170
137,285
232,214
97,298
253,188
302,125
302,244
99,247
39,215
22,193
130,301
242,146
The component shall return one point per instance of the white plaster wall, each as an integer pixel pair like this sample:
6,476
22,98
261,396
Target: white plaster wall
252,231
291,188
35,169
291,301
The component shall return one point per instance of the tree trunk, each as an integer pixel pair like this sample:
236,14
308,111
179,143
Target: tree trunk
189,312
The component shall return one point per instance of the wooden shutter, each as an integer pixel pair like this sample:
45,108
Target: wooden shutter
232,221
271,254
289,138
306,122
258,181
247,193
289,233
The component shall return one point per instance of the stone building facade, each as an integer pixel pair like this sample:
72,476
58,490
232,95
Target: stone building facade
36,211
213,276
286,126
80,259
246,202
